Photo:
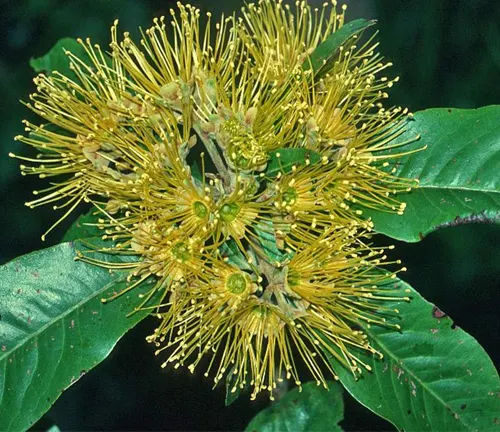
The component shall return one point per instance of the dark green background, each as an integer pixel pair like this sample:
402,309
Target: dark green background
447,54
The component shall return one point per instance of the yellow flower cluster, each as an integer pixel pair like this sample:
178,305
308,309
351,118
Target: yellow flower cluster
237,173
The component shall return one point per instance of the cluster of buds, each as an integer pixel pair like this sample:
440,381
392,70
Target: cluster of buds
237,174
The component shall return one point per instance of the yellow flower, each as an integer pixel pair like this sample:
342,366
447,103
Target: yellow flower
280,37
343,118
258,328
172,139
303,207
98,144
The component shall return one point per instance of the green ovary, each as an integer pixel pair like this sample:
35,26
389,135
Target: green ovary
181,251
200,209
229,212
236,283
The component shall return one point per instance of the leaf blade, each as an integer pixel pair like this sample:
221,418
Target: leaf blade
57,60
83,228
313,409
438,375
458,172
51,336
283,160
326,52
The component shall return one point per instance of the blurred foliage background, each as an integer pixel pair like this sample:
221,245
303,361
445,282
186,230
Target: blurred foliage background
447,54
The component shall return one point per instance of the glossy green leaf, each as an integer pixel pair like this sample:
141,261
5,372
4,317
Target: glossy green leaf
283,160
233,392
230,395
313,409
328,50
54,327
458,172
196,171
434,376
83,228
230,250
267,239
57,60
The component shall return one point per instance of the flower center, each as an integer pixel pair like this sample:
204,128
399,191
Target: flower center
200,209
229,212
236,283
243,149
181,251
290,196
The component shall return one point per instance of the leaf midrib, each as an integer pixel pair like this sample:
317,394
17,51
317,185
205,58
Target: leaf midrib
465,189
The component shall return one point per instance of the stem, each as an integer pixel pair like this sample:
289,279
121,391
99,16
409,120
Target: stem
215,156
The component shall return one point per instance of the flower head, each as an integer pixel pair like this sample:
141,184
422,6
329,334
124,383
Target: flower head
237,174
261,320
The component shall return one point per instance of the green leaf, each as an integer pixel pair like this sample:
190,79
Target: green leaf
231,395
54,327
328,50
313,409
196,171
434,376
57,60
458,172
283,160
267,239
230,250
83,228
